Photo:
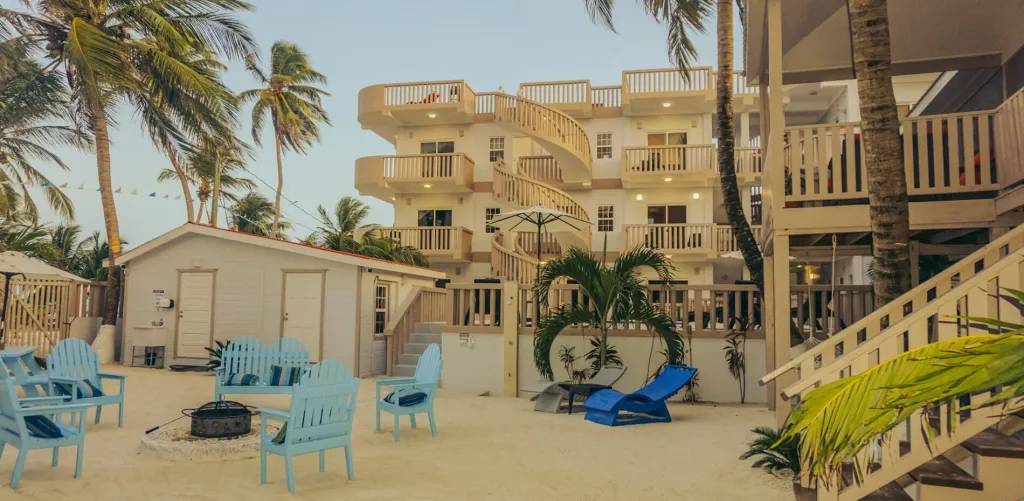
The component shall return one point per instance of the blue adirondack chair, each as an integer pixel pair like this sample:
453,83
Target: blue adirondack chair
14,430
412,395
72,362
247,355
646,405
320,418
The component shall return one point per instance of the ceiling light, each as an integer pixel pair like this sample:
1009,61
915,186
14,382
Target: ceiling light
668,256
666,104
392,198
668,180
426,185
696,195
431,115
639,196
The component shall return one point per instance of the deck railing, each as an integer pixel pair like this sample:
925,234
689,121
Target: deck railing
666,80
540,168
439,92
429,167
683,237
509,264
953,153
725,239
669,159
526,243
448,241
748,160
564,92
423,304
608,96
485,103
521,191
1009,132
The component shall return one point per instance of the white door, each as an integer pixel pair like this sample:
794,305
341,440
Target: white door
303,302
195,314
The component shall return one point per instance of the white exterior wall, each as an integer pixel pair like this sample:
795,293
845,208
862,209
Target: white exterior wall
248,295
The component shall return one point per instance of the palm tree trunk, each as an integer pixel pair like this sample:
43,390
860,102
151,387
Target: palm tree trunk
102,138
185,191
202,209
726,154
280,184
887,184
215,199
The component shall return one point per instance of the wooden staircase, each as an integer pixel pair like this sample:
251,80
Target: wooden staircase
968,454
518,191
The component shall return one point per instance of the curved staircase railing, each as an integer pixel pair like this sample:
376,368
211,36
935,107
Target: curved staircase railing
509,264
559,133
521,192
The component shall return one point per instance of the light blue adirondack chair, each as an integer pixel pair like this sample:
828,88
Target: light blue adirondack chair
320,418
247,355
15,432
424,380
72,361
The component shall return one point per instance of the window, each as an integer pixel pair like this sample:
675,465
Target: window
437,166
666,138
755,205
489,214
605,218
496,149
604,145
380,308
434,217
666,214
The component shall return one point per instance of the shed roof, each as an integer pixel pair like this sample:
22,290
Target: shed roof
281,245
34,268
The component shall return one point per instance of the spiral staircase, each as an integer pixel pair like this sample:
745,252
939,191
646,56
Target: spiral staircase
530,183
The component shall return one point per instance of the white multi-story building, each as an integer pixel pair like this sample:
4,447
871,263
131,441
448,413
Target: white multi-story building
637,160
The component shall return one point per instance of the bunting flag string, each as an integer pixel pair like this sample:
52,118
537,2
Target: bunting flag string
120,190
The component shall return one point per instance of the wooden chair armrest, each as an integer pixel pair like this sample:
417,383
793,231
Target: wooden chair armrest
395,380
110,375
53,409
272,414
43,400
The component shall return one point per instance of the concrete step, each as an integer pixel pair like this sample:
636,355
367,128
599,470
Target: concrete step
403,370
428,327
889,492
408,359
995,444
424,338
942,472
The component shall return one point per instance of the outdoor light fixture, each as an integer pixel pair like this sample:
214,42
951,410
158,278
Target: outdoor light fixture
431,115
639,196
668,180
668,256
666,104
696,195
426,185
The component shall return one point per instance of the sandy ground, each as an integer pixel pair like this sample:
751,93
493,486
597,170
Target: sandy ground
486,448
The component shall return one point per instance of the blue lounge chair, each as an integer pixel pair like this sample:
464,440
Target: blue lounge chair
412,395
646,405
320,418
32,423
73,365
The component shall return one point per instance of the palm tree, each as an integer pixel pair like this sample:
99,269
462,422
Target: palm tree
883,157
374,244
20,232
253,213
613,294
120,51
682,17
176,142
65,246
34,102
337,231
289,94
94,250
201,170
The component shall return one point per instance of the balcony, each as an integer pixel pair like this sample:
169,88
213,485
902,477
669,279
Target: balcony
686,240
662,166
665,91
386,176
440,244
384,108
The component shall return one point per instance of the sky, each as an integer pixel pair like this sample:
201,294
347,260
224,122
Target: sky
358,43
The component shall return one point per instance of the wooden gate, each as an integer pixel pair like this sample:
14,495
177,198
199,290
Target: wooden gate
40,311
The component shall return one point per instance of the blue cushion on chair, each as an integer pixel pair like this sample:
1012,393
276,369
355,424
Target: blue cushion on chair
42,427
285,376
242,380
407,400
85,389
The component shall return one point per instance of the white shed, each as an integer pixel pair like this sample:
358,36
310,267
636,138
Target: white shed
196,284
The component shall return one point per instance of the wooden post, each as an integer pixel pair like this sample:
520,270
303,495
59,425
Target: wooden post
915,260
510,337
781,320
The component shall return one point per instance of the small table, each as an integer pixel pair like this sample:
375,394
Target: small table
582,389
26,372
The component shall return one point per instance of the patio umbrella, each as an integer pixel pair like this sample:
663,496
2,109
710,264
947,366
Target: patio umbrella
538,218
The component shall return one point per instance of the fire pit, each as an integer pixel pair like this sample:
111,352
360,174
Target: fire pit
221,419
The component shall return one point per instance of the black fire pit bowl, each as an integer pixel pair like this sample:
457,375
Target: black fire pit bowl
222,419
